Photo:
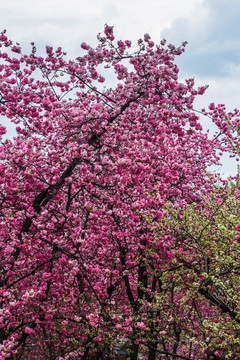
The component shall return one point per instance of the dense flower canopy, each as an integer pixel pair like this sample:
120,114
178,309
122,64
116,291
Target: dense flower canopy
110,220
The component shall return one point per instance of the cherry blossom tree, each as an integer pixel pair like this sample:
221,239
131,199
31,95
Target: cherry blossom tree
109,215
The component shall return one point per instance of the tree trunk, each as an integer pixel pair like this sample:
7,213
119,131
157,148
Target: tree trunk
151,354
133,352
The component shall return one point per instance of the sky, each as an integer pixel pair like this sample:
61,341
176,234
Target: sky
211,27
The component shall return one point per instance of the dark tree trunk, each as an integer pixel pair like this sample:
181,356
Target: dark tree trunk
151,354
133,352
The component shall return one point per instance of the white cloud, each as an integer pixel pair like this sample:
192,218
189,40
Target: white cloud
68,23
213,34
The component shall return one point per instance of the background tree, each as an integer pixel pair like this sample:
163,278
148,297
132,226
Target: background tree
200,289
93,192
